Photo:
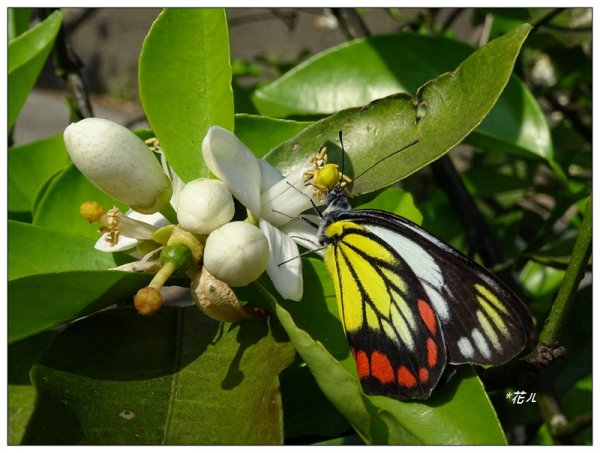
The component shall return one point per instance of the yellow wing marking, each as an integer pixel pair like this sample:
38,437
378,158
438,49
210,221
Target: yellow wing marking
380,306
489,331
492,305
491,297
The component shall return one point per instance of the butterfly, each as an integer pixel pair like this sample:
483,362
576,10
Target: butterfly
410,304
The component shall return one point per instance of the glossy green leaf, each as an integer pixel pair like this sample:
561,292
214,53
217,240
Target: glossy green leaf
178,378
335,382
21,394
540,280
516,124
26,56
358,72
185,83
460,410
261,134
306,410
396,201
454,104
55,277
58,208
29,166
33,250
370,134
18,21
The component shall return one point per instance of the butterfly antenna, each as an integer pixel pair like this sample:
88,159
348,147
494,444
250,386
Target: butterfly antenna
414,142
343,153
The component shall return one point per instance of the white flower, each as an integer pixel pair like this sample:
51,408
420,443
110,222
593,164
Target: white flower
269,196
132,227
204,205
236,253
116,161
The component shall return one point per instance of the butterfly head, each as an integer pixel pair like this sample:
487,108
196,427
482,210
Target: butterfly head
337,199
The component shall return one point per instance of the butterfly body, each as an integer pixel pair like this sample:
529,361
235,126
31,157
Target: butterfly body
411,304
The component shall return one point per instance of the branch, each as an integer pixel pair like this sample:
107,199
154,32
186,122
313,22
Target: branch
67,66
351,23
561,430
548,350
551,332
571,428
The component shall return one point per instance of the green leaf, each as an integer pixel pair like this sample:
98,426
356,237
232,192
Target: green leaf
334,380
455,103
58,208
396,201
41,302
21,394
178,378
26,56
55,277
33,250
29,166
358,72
185,83
460,411
261,134
516,125
370,133
18,21
307,412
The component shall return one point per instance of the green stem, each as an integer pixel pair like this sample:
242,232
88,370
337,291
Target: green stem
169,213
581,254
161,277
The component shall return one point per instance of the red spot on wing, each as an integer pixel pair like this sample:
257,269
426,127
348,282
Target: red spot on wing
423,375
381,368
432,352
362,364
427,315
406,378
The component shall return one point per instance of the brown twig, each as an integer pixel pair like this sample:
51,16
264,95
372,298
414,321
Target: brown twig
67,66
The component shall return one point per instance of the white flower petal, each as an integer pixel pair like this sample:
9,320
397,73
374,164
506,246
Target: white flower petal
286,199
157,219
124,243
176,182
269,175
233,163
149,263
303,233
285,266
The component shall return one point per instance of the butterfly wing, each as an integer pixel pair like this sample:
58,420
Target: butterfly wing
392,329
482,320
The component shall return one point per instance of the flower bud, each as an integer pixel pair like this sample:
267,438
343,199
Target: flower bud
204,205
117,162
236,253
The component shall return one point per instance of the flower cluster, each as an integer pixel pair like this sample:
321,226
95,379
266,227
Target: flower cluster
190,227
